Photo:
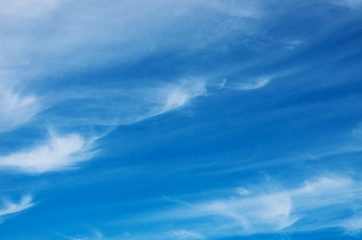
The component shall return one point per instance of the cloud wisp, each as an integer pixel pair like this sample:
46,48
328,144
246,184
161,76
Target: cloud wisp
314,205
122,106
352,226
180,94
9,207
16,109
248,85
94,235
184,234
57,153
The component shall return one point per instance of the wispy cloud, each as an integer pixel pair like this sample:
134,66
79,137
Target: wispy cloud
353,226
67,47
184,234
308,207
57,153
123,106
249,84
15,108
94,235
9,207
180,94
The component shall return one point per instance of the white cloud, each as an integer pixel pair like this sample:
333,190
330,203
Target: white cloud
11,207
251,85
15,109
58,153
185,235
313,205
124,106
66,47
353,226
266,213
242,191
180,94
30,55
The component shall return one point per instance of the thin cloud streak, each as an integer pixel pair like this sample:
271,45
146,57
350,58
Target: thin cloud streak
248,85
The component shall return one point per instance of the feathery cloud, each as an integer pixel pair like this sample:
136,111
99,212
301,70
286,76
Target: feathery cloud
9,207
58,153
16,109
123,106
272,211
250,85
180,94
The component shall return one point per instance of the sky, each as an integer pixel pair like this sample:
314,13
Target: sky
180,120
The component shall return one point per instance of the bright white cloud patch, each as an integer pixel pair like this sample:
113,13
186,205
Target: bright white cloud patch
58,153
15,109
9,207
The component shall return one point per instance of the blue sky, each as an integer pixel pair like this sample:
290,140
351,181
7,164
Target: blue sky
202,119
